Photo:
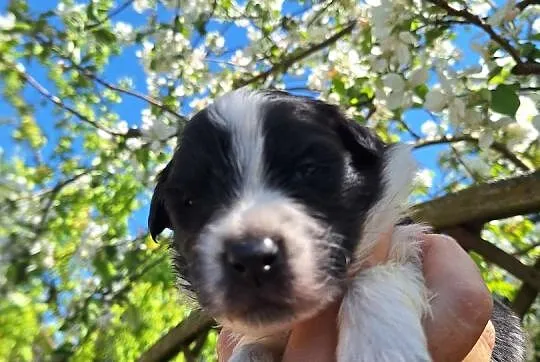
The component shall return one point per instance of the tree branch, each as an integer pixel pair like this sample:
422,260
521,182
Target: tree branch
88,74
475,20
291,59
497,146
404,124
529,89
482,203
526,295
523,4
172,342
521,68
469,241
59,103
112,14
144,97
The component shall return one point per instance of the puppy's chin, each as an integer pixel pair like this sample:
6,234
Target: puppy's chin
265,317
261,324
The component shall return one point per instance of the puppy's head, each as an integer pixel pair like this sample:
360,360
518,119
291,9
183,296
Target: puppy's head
269,196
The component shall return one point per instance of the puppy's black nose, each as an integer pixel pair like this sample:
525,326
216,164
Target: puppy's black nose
252,258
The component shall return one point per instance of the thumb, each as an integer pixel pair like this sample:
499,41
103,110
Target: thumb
314,340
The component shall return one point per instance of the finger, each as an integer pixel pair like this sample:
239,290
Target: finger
380,251
314,340
483,349
225,345
462,304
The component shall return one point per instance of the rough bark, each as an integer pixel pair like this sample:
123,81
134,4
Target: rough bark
484,202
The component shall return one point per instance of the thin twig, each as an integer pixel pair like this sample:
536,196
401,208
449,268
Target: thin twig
521,68
475,20
291,59
529,89
415,135
85,72
54,192
58,102
471,173
112,14
319,12
497,146
523,4
130,92
102,290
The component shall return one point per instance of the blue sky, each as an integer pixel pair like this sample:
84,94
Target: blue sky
128,65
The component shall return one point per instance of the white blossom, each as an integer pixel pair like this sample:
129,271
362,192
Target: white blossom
134,143
430,128
123,31
504,14
334,98
395,100
480,8
536,26
240,59
198,104
318,77
91,240
253,33
527,110
520,136
485,139
242,23
478,166
424,178
7,22
418,76
456,111
155,128
62,9
436,100
378,64
141,5
394,81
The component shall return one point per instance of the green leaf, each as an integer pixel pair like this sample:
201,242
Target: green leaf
527,50
338,85
104,35
494,72
504,100
421,90
434,33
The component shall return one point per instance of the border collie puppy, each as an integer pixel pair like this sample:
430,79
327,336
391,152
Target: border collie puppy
276,201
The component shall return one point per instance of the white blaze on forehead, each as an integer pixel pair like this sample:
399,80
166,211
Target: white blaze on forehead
240,113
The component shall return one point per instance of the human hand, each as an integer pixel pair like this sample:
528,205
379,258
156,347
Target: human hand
459,329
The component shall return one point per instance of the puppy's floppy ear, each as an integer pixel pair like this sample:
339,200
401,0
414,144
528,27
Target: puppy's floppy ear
158,219
365,147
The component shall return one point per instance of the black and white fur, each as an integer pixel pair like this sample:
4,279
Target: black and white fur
295,176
